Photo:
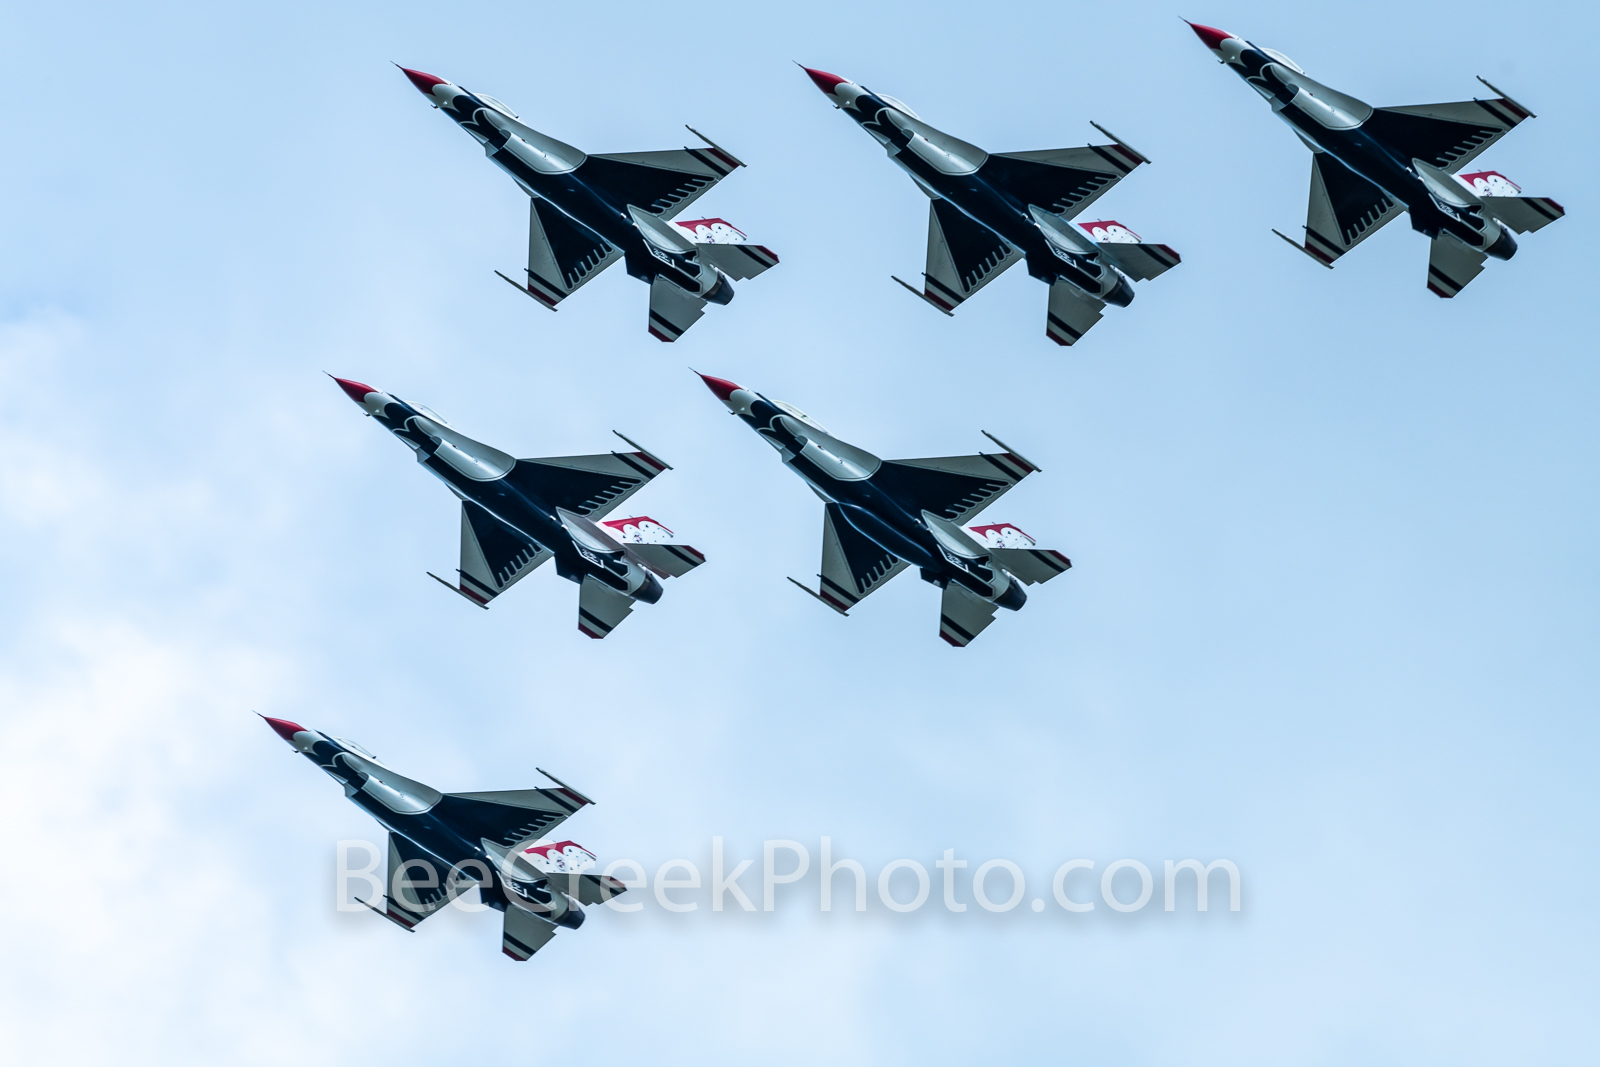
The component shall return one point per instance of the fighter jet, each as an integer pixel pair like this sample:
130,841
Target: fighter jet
989,211
443,844
882,515
517,513
1370,164
589,211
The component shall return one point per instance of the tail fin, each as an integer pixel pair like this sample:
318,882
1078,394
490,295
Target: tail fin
725,247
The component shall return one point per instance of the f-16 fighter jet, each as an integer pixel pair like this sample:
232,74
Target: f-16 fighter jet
882,515
589,211
1370,164
443,844
517,513
989,211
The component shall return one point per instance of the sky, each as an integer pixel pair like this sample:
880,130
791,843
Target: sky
1332,615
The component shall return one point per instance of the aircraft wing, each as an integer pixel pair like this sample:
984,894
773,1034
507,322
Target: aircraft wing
1447,136
963,257
419,883
662,183
586,485
494,555
1061,180
953,487
508,817
1345,209
852,564
562,254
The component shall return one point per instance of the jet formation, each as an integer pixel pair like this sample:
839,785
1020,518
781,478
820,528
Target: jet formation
590,211
518,513
1370,164
443,844
881,516
990,211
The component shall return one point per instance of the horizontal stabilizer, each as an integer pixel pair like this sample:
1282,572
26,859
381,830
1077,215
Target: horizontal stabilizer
524,934
1071,313
651,544
725,247
672,311
963,615
1141,262
1132,256
1019,554
598,888
1504,199
600,608
1524,214
669,561
1451,265
1031,565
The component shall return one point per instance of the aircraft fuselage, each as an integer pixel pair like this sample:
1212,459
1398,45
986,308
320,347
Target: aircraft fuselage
950,169
844,475
476,472
1329,121
547,169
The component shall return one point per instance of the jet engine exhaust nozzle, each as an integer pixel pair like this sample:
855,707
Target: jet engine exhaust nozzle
1504,247
720,293
1121,294
650,591
1013,598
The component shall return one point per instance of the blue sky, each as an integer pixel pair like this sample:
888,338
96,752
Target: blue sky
1332,614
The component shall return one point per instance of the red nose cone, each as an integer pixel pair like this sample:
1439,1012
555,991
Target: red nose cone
1210,36
354,390
824,80
284,728
721,386
423,82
